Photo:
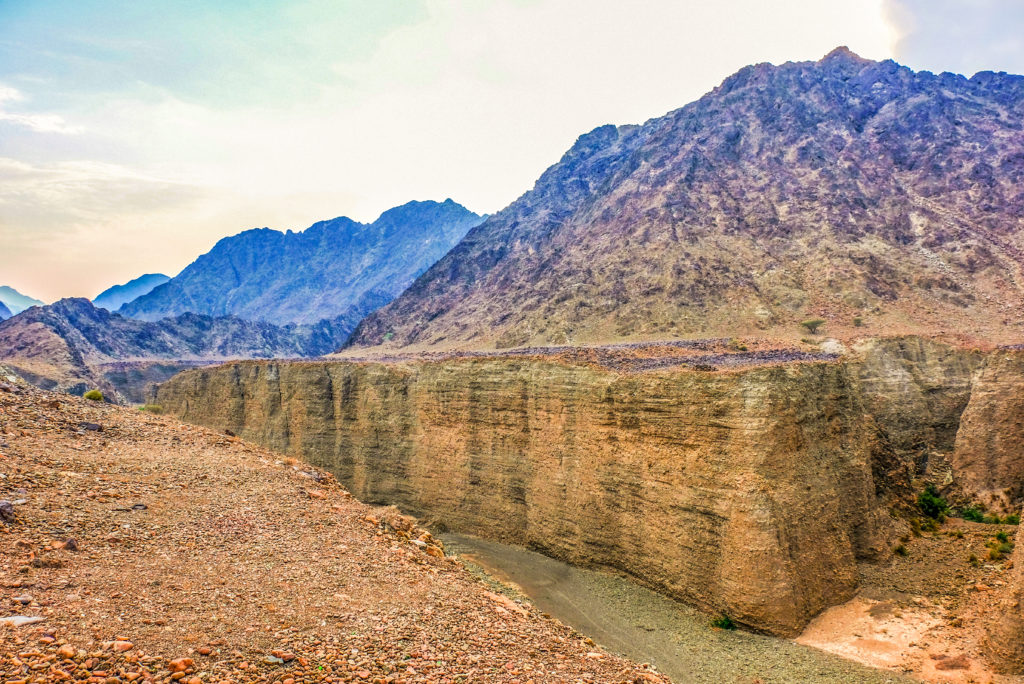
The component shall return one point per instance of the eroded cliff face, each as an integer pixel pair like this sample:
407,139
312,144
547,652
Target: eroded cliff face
989,453
915,390
748,493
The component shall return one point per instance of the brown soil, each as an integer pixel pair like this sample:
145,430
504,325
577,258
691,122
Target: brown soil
161,551
923,613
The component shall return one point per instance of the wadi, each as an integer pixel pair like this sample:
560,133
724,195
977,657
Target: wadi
734,394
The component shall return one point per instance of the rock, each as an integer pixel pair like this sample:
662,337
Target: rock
20,620
180,664
6,511
122,646
91,427
23,600
69,545
272,660
67,652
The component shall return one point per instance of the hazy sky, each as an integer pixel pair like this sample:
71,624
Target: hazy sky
134,134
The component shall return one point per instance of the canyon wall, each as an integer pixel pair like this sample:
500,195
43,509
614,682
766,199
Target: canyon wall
748,493
989,452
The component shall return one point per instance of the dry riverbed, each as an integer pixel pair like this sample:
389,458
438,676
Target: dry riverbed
641,624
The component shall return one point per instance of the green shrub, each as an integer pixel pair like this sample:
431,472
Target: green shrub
152,408
995,554
1002,536
737,345
1005,548
858,321
973,560
931,504
972,513
990,520
812,325
900,550
1012,519
724,622
93,395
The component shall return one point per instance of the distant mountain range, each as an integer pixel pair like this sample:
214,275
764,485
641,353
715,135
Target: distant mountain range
5,313
113,298
859,192
338,269
74,346
15,301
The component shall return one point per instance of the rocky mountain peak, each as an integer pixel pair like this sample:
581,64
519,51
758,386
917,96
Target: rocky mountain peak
842,189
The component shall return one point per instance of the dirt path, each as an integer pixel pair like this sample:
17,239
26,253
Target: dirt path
647,627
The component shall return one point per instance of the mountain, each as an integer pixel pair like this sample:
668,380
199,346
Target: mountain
112,298
877,198
16,301
337,269
5,313
74,346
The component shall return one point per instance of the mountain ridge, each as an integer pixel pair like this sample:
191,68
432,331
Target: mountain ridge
71,344
113,297
335,269
845,189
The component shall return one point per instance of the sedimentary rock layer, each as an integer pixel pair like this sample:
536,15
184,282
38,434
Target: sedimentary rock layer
747,492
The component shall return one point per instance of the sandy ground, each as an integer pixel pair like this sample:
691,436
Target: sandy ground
151,550
924,613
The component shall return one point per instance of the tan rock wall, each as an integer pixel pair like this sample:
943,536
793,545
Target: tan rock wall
748,493
988,458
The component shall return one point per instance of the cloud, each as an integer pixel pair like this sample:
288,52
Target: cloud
962,36
40,123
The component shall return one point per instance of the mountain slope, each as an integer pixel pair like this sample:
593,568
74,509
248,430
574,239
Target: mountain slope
5,313
16,301
71,344
114,297
843,189
338,268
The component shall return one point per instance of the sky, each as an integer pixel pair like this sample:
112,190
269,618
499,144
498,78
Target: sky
135,134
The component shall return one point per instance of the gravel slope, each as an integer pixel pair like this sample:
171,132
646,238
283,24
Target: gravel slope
155,550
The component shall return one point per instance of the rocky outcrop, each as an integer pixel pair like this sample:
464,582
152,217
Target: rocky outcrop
989,454
748,492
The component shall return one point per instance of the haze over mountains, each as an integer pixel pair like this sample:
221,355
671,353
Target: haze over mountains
114,297
338,269
5,313
15,301
858,191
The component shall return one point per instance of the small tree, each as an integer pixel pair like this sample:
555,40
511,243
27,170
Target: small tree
812,325
93,395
